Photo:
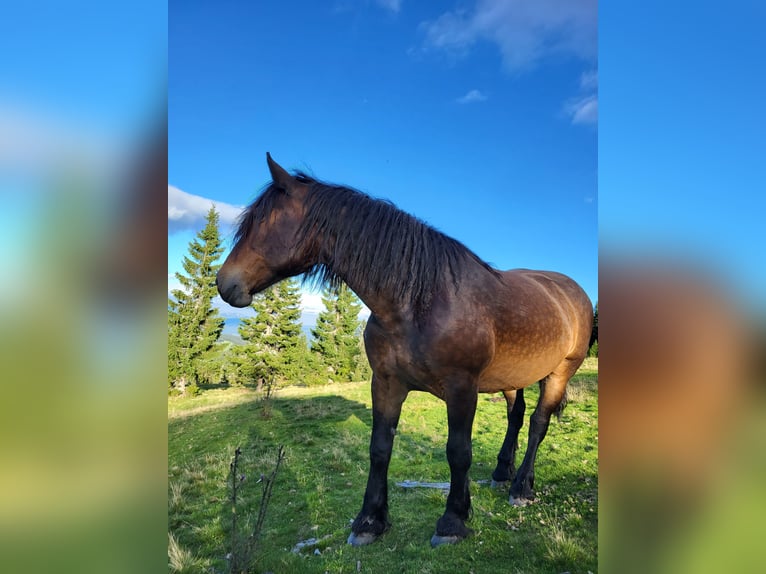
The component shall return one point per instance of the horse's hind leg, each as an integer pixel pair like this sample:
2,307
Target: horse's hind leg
552,392
506,459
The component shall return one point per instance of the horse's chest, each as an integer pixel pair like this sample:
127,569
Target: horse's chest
401,357
421,369
410,366
424,359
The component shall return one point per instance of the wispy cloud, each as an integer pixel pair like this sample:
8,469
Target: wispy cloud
341,6
188,211
392,5
472,97
525,32
589,80
583,110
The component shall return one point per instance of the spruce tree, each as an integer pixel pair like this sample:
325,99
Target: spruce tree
194,325
362,369
336,335
274,344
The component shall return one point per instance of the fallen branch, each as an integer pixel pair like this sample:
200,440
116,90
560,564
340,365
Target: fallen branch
438,485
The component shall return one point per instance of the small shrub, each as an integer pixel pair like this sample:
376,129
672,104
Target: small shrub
244,536
192,390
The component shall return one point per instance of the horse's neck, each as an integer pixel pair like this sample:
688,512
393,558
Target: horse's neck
379,291
380,303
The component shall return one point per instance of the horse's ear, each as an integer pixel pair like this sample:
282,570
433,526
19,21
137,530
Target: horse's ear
282,179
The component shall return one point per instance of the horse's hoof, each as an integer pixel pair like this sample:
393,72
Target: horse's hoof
437,540
361,539
499,484
520,501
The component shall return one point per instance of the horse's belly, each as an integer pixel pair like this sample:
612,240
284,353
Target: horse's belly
505,375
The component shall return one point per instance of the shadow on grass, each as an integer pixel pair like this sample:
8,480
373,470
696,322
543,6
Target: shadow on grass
315,432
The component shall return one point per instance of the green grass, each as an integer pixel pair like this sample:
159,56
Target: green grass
321,483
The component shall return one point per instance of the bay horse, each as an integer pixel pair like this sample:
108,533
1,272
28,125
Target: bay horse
442,321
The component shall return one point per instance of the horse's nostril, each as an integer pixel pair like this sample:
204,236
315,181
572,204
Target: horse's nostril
225,289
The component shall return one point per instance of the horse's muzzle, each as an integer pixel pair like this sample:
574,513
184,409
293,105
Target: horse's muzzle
233,292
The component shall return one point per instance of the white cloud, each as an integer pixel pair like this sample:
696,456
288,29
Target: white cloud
311,303
173,283
188,211
583,110
472,97
392,5
525,32
589,80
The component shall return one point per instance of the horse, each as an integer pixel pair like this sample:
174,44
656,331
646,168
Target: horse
442,321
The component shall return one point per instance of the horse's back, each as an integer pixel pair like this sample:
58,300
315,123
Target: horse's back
541,318
565,303
551,286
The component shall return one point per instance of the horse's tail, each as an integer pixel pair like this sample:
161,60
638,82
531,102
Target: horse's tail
564,400
560,409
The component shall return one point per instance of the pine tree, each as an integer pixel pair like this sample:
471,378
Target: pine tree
194,325
362,369
275,345
336,335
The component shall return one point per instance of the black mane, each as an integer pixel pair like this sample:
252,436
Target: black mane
376,245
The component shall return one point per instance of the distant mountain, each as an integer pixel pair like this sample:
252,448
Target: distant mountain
231,334
231,338
230,327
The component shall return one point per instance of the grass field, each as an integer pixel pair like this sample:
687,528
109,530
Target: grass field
320,485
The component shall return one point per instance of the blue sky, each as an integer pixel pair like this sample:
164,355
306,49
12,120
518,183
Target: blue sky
682,139
479,118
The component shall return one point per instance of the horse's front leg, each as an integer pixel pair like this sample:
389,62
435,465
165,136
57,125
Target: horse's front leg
461,400
387,398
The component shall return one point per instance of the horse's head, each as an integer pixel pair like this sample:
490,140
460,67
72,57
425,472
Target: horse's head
266,248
